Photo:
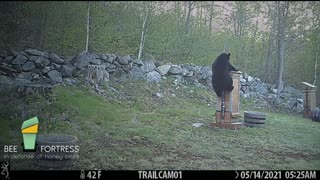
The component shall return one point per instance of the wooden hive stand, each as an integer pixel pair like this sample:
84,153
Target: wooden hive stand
232,102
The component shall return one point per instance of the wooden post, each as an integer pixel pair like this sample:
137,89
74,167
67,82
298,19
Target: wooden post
232,109
309,99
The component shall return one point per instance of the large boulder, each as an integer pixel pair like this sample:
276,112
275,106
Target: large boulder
97,74
175,70
55,66
66,70
164,69
55,59
83,59
28,66
261,89
136,74
41,62
20,59
124,60
55,76
137,62
148,66
206,72
34,52
25,75
153,77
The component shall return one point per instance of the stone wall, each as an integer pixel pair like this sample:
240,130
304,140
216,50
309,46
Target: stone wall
33,67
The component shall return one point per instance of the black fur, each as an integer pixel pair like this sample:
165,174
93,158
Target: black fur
221,80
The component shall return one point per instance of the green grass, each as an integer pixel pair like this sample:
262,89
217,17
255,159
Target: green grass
131,128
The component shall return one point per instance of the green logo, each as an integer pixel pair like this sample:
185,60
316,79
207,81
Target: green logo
29,131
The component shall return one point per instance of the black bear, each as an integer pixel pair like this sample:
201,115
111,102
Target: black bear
221,80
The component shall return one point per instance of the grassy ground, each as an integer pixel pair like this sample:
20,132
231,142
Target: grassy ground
131,128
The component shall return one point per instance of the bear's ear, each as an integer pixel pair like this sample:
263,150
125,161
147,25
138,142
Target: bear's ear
228,54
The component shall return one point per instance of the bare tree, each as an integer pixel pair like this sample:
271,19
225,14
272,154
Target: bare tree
271,42
88,25
282,25
316,66
144,31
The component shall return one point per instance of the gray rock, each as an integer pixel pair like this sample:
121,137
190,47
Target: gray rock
28,66
66,71
46,55
41,62
25,75
117,64
54,76
137,62
112,66
111,71
17,67
55,59
136,74
243,80
261,89
7,69
119,74
275,91
159,95
42,80
164,69
8,59
178,79
106,64
292,102
124,60
34,52
148,66
5,80
206,72
83,59
189,67
197,125
189,74
111,58
250,78
55,66
19,81
153,77
175,70
95,61
103,57
20,59
37,71
245,76
24,53
45,70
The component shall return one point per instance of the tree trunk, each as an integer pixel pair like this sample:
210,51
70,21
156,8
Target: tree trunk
143,33
88,25
315,68
283,13
269,59
190,3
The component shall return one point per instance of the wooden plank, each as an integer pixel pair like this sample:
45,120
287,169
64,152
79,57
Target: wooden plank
308,85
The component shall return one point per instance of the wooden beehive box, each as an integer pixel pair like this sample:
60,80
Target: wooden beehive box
232,106
309,99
